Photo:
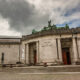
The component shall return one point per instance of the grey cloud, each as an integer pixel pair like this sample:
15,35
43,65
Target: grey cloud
72,10
24,16
66,11
21,15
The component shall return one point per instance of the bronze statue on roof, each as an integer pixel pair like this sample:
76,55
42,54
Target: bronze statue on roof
49,23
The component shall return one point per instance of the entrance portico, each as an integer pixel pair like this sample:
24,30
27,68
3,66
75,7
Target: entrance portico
67,51
66,46
51,51
32,53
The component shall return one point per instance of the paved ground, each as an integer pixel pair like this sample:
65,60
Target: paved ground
41,69
24,76
39,73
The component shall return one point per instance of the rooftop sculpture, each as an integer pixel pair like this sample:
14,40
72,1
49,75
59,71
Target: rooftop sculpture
50,27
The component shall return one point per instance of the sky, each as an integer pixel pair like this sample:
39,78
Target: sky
19,17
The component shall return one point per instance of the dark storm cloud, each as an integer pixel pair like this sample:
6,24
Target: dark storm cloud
21,14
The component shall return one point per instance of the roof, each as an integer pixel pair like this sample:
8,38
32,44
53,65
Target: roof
10,40
53,32
10,37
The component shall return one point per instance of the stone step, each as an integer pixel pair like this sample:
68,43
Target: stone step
41,69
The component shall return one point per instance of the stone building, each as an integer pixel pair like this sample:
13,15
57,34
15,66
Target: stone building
53,47
9,50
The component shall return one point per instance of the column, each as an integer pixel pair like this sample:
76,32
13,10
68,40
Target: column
27,54
23,53
37,48
19,52
75,57
59,50
78,47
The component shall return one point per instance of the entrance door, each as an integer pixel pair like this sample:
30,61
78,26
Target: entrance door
35,57
32,54
66,56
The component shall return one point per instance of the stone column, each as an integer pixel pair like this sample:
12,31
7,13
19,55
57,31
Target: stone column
27,54
19,52
37,48
78,47
75,57
59,50
23,53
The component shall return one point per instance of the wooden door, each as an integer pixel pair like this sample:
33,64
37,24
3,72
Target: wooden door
35,57
64,56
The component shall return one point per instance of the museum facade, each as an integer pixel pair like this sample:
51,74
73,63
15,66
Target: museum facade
51,47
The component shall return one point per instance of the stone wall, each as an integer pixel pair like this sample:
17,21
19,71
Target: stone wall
11,53
46,49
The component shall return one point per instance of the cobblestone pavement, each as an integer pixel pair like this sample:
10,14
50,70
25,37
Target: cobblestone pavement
24,76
